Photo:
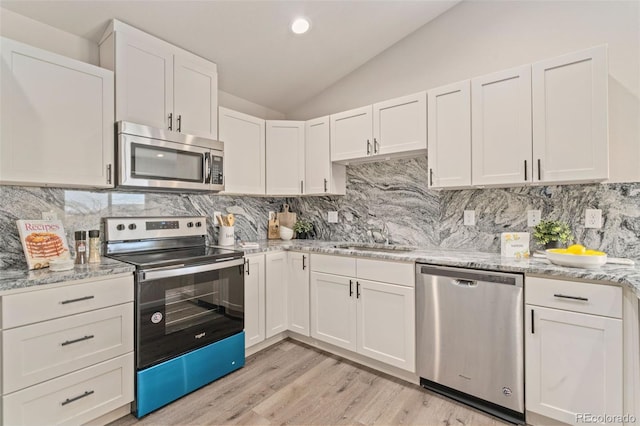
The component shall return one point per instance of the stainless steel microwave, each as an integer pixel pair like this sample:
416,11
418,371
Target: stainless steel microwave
156,159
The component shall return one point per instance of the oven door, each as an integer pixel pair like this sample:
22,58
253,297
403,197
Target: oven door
153,163
183,308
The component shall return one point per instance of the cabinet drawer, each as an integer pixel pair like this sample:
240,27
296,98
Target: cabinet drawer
596,299
39,352
40,305
75,398
388,272
337,265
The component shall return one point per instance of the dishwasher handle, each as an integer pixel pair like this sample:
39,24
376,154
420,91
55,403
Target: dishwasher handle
464,283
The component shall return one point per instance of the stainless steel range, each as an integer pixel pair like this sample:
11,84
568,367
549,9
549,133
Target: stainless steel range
189,305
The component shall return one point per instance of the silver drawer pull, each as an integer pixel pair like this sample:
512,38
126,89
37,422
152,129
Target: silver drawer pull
81,339
80,299
562,296
75,398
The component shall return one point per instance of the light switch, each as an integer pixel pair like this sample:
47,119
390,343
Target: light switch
470,218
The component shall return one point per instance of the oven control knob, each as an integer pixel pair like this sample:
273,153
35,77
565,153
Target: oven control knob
198,224
190,225
120,227
132,226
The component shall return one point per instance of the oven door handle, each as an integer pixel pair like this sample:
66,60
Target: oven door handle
148,275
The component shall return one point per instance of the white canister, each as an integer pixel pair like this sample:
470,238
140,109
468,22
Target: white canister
226,236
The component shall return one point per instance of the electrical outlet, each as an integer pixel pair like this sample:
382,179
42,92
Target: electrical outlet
593,218
332,217
50,215
470,218
533,217
215,220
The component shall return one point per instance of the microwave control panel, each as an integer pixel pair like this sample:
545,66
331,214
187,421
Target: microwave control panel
216,170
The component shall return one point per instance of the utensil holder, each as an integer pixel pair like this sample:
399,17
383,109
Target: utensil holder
226,236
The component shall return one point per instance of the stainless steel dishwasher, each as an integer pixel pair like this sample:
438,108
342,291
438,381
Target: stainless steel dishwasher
470,337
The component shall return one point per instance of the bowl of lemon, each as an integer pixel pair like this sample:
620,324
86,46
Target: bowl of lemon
577,256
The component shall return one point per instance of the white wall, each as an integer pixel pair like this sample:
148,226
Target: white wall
35,33
479,37
38,34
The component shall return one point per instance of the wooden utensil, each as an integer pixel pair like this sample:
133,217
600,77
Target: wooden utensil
287,218
231,219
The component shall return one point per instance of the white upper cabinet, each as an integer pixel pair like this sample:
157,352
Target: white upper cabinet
195,95
159,84
570,136
244,151
501,127
57,119
285,157
352,134
400,125
449,118
321,175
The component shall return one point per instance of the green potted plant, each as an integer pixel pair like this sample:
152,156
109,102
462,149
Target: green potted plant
552,233
303,228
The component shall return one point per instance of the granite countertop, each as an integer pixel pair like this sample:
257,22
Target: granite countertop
14,279
628,276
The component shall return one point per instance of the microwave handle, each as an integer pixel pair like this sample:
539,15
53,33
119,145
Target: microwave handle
207,167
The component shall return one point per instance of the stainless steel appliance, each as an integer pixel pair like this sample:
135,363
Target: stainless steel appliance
189,302
470,337
163,160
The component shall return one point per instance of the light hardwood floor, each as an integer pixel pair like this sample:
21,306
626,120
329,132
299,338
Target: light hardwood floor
292,383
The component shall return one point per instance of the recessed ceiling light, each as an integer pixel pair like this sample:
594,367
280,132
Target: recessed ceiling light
300,25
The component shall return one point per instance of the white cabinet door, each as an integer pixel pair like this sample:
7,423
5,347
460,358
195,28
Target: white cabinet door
285,157
244,152
57,119
501,127
195,96
144,90
400,125
333,310
276,293
570,136
389,338
321,175
298,293
573,364
352,134
449,130
254,300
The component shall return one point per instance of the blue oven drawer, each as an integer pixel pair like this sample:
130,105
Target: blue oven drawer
166,382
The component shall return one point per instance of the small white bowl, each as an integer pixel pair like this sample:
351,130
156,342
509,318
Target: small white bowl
286,233
576,260
57,265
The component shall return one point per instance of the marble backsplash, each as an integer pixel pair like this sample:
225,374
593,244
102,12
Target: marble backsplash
389,195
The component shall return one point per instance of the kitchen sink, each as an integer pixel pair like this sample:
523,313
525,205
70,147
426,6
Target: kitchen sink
372,247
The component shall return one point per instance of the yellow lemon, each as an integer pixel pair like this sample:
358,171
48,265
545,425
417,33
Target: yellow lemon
594,253
576,249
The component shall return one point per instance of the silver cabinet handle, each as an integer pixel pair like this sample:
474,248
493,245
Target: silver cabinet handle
109,174
170,121
325,185
376,146
81,339
75,398
357,289
80,299
539,172
304,265
533,330
179,123
368,147
246,262
564,296
525,171
350,288
430,177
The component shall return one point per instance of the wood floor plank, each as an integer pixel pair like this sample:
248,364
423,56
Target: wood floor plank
291,383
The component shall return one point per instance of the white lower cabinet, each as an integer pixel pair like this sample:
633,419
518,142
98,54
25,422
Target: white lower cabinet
375,319
276,293
69,358
298,293
254,300
574,360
